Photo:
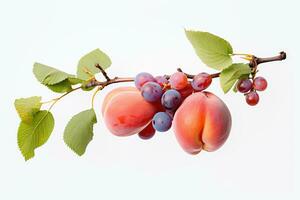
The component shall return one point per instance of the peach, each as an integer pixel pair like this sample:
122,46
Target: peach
203,121
125,112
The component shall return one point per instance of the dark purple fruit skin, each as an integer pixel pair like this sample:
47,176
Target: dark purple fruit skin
201,81
162,121
171,99
142,78
260,83
161,80
244,85
151,91
252,98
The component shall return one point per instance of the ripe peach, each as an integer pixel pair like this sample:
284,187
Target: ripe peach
125,112
203,121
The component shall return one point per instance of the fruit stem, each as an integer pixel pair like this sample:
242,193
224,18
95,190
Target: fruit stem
280,57
103,72
255,61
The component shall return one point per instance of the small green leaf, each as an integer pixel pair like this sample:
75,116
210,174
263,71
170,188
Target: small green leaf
231,74
27,107
79,131
75,81
56,77
214,51
35,134
49,75
87,64
235,87
84,86
61,87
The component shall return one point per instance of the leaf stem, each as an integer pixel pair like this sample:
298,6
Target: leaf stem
93,97
55,100
241,54
45,102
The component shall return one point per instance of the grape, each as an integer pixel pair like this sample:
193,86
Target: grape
162,121
161,80
187,91
260,83
171,113
147,132
142,78
151,91
178,80
201,81
244,85
252,98
171,99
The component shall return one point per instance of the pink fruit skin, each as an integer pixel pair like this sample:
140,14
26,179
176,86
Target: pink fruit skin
125,112
203,121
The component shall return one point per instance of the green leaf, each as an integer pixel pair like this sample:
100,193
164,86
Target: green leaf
74,81
231,74
84,86
214,51
49,75
27,107
61,87
79,131
54,79
35,134
88,62
235,87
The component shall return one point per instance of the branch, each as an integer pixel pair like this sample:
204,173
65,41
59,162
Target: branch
254,62
190,76
103,72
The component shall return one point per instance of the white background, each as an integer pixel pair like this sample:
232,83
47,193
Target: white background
260,160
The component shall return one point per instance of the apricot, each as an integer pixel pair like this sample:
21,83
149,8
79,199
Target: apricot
125,111
203,121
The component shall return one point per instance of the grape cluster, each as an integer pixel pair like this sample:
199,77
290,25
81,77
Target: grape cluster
250,88
168,93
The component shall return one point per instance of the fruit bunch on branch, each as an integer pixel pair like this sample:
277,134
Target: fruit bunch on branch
200,119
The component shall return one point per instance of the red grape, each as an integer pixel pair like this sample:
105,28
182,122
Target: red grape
147,132
252,98
187,91
260,83
178,80
201,81
244,85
